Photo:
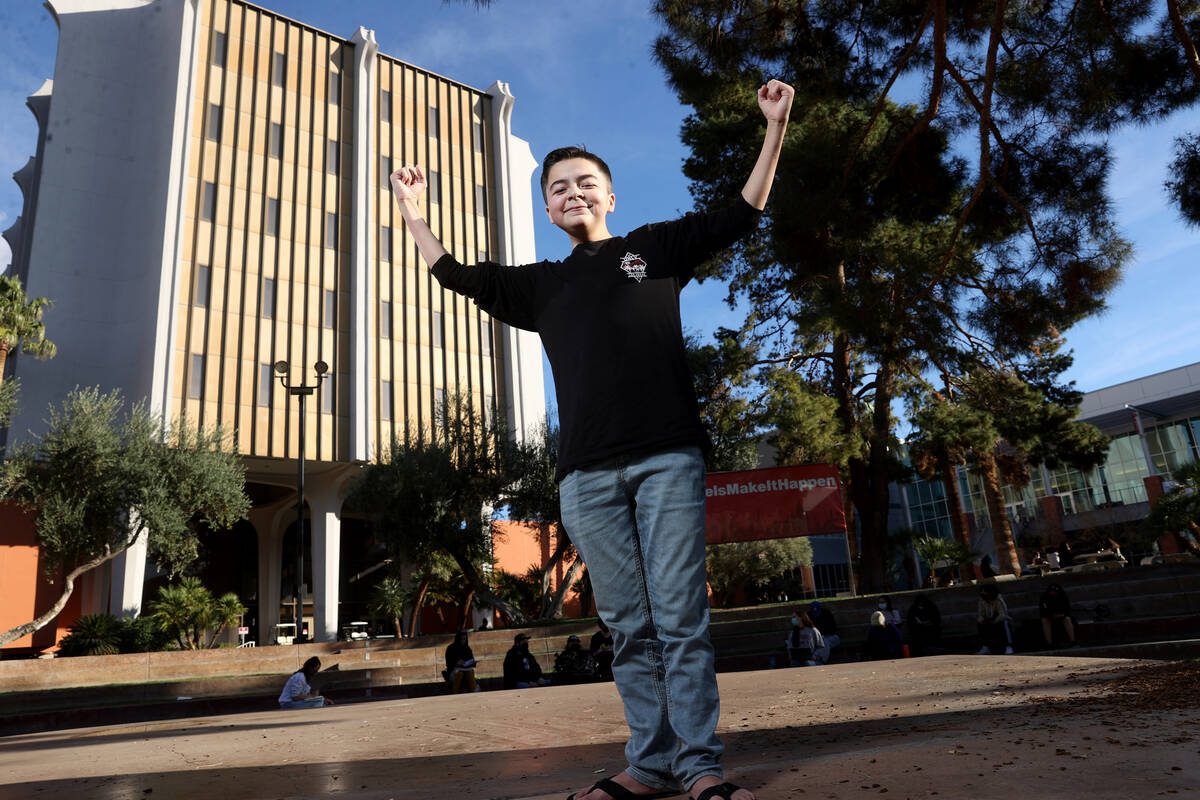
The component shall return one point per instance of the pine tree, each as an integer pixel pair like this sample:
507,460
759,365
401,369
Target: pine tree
884,255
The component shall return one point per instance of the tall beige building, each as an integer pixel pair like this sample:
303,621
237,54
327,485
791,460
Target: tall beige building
210,196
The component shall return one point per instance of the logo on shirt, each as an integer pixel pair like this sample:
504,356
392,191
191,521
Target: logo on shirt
634,266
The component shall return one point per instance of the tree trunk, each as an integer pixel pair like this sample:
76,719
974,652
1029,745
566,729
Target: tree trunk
465,616
1006,548
874,529
560,596
3,359
547,610
60,604
585,596
216,635
416,612
958,520
484,592
858,496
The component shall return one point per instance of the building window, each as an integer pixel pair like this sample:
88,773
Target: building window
268,299
214,122
385,170
276,146
220,43
208,207
330,315
478,128
327,394
435,187
265,379
385,400
442,400
480,200
487,338
273,216
335,88
200,291
196,377
385,319
331,230
333,152
489,409
278,69
385,244
385,106
433,121
437,329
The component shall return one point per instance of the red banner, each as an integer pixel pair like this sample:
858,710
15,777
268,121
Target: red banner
775,503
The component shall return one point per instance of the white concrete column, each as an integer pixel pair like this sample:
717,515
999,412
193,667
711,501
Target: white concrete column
525,383
128,579
364,176
326,509
268,524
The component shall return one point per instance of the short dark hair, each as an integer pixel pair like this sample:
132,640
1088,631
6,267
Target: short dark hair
564,153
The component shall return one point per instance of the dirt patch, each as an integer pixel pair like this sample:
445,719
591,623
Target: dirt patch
1169,686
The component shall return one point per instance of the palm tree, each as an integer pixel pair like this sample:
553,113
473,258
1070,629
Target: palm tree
390,599
189,610
940,553
224,611
21,322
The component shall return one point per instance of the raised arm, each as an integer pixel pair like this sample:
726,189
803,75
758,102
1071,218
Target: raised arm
408,184
775,100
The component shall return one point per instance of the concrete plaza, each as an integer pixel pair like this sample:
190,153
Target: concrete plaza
947,727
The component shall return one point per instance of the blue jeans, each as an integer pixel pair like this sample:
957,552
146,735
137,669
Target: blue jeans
311,702
638,523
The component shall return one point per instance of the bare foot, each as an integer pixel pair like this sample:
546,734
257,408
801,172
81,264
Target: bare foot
709,781
622,778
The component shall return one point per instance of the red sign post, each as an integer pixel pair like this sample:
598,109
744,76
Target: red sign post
774,503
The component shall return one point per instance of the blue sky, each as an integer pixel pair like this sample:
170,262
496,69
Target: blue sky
583,74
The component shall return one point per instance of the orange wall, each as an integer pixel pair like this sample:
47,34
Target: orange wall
23,586
517,546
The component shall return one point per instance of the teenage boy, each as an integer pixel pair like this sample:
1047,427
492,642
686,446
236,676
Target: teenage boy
630,466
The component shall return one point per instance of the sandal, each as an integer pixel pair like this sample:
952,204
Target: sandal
723,791
618,792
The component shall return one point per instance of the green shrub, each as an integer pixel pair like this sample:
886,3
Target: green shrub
106,635
92,635
142,635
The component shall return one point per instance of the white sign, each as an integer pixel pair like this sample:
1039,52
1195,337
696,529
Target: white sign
242,631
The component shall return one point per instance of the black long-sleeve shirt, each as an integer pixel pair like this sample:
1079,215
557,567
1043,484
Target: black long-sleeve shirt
608,316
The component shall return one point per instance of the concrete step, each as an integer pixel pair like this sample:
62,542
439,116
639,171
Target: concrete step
1160,603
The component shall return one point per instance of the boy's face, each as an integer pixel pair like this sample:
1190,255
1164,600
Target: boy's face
578,199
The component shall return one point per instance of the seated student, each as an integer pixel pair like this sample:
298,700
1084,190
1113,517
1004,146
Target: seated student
297,693
890,613
460,665
993,620
1054,607
823,619
574,664
521,669
924,626
601,648
802,641
883,639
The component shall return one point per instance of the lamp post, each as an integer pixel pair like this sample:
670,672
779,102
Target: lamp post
301,390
